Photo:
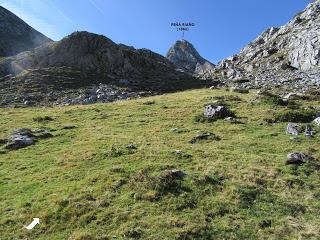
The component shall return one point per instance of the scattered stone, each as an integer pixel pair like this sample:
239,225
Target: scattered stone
239,90
178,152
317,121
292,96
298,158
293,129
175,174
309,132
205,136
181,154
24,137
19,142
20,138
229,119
233,120
68,126
174,129
295,139
131,146
217,112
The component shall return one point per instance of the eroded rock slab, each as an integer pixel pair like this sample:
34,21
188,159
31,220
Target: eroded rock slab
217,112
298,158
24,137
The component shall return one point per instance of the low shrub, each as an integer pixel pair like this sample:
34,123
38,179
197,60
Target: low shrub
43,119
299,116
241,80
148,187
274,100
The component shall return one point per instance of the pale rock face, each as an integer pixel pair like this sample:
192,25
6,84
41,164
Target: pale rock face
305,53
183,55
287,56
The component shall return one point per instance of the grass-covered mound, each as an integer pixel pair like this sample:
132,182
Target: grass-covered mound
118,173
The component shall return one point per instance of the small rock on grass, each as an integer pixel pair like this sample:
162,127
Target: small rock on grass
205,136
68,126
217,112
317,121
181,154
24,137
293,129
131,146
175,173
298,158
309,132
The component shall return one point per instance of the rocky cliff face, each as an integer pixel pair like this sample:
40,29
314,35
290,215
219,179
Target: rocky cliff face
185,56
95,54
17,36
285,56
84,60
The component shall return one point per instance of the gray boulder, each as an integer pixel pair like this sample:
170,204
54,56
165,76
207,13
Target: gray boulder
317,121
20,138
309,132
24,137
293,129
292,96
217,112
298,158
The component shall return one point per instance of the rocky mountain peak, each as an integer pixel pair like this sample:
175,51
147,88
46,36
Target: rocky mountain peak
16,35
184,55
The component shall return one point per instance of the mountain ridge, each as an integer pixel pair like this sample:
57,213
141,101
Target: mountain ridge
17,36
278,55
82,62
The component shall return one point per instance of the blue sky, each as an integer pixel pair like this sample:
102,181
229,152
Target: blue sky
222,28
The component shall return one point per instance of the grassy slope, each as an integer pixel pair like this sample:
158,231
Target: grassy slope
80,189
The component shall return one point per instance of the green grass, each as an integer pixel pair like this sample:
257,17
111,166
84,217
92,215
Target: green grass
84,183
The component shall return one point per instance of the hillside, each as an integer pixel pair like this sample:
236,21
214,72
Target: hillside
77,64
128,170
284,57
17,36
